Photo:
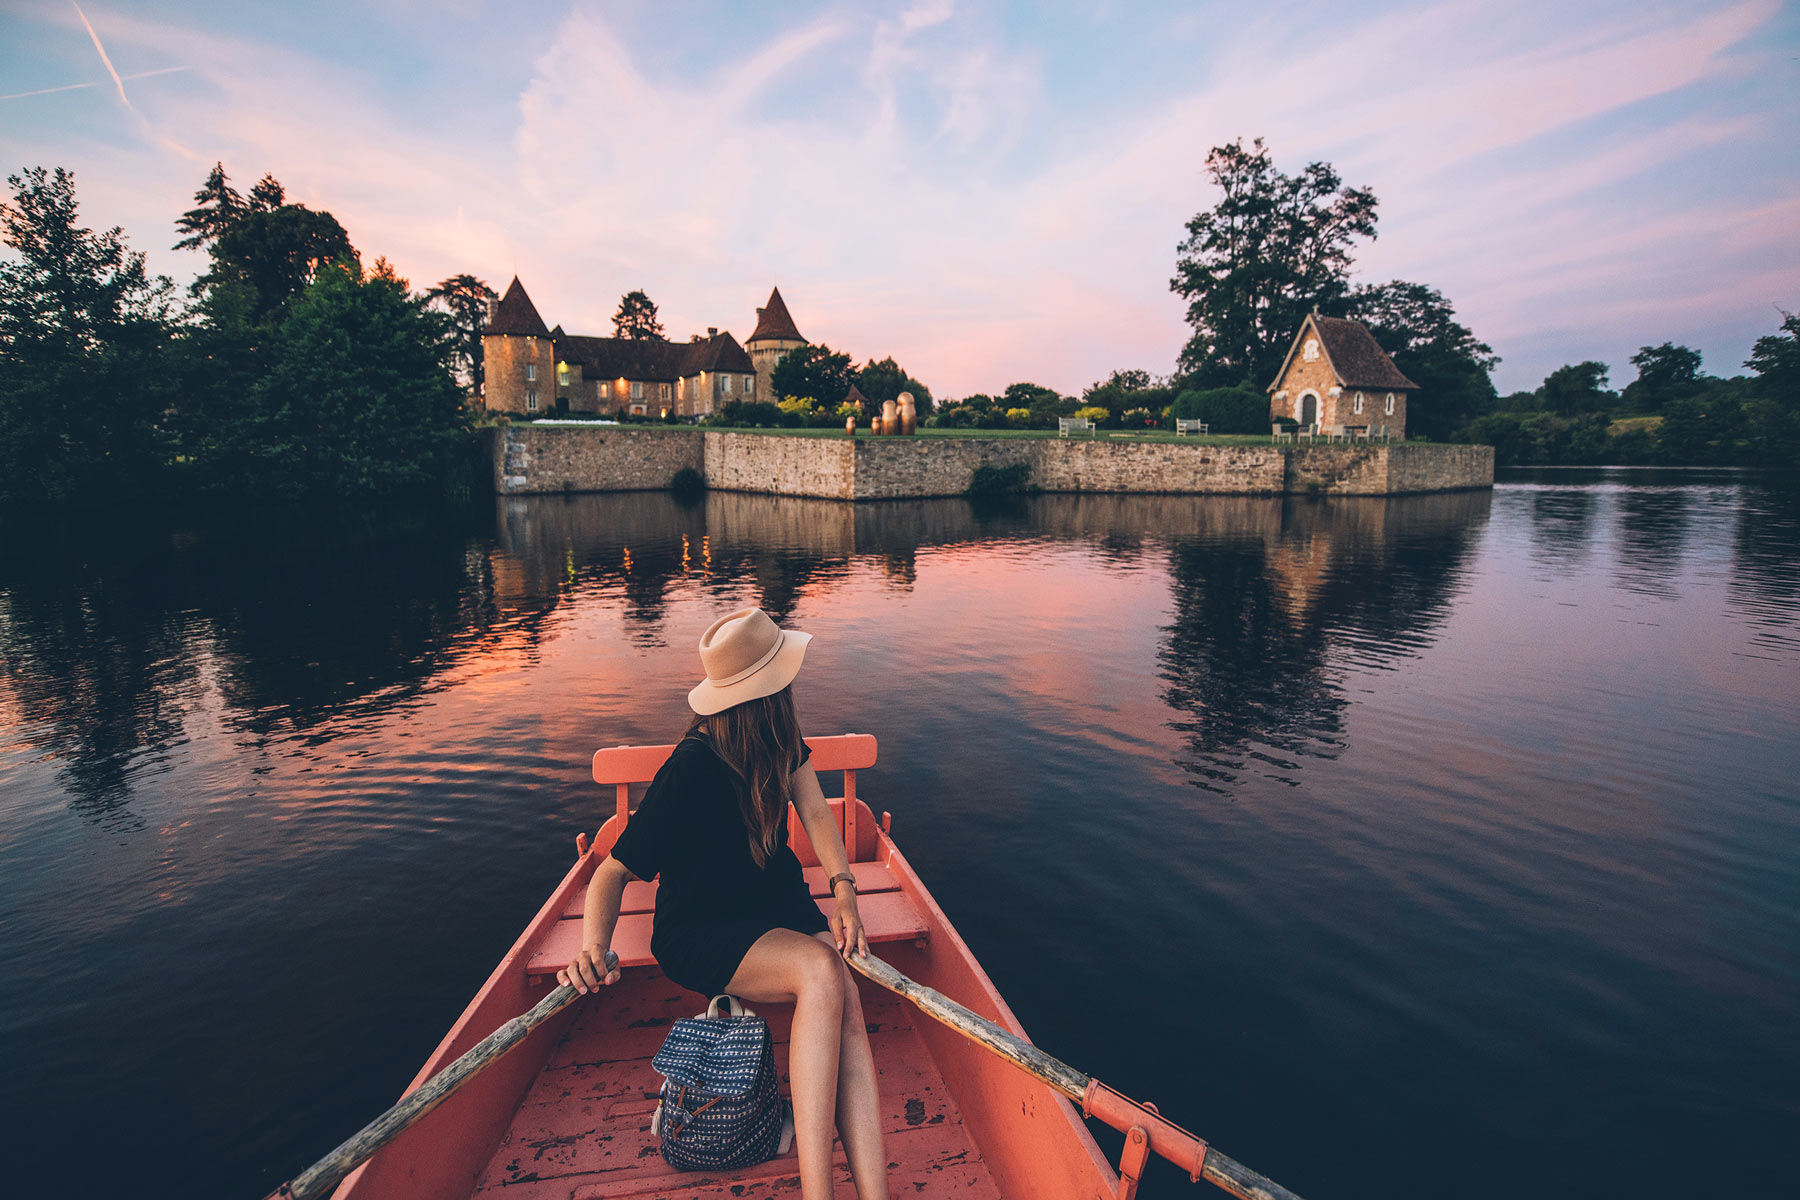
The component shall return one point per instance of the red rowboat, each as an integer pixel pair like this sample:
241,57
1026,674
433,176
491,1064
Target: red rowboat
566,1114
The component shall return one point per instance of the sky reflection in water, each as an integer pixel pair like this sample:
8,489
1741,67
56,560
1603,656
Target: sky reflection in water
1445,828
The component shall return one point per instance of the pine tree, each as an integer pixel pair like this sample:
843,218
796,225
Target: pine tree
217,206
267,195
636,317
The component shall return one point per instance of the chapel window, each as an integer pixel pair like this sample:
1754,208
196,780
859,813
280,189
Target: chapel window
1390,404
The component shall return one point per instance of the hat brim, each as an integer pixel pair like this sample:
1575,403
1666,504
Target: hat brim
708,697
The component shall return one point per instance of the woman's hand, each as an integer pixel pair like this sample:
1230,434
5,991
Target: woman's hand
592,970
847,927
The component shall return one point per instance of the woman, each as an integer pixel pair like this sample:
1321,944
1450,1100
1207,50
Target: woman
733,913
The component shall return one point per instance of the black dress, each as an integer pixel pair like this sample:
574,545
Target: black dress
713,901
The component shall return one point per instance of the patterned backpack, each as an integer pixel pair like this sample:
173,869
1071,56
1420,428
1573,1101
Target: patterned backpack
721,1105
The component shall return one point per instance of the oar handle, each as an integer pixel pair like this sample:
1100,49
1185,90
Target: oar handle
319,1179
1165,1137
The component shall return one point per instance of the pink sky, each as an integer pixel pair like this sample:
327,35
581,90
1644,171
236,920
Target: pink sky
989,195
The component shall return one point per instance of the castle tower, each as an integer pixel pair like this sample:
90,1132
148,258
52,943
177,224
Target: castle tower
775,335
518,356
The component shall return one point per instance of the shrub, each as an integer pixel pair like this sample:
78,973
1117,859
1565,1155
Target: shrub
754,414
1139,418
1094,413
1240,409
1019,418
989,480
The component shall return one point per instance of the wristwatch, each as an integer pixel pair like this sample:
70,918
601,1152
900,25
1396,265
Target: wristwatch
831,884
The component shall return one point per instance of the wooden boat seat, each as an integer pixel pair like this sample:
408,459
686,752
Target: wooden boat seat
888,916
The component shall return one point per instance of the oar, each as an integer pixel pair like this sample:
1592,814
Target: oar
320,1178
1144,1128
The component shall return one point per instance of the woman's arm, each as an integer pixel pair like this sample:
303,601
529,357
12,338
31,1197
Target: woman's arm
605,889
828,844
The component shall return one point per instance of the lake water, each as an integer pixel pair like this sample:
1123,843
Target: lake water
1443,846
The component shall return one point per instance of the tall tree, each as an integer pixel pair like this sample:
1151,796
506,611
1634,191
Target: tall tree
466,299
1418,328
811,372
636,317
356,396
1576,388
882,381
1773,411
217,206
1666,372
270,256
1255,263
268,194
84,342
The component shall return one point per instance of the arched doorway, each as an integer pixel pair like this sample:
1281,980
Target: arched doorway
1309,410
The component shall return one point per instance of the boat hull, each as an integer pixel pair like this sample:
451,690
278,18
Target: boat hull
566,1115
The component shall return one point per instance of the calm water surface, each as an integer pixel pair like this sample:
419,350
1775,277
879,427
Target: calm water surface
1437,846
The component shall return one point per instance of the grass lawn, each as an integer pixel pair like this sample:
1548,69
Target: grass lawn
1102,435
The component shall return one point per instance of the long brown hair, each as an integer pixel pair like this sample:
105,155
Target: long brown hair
760,741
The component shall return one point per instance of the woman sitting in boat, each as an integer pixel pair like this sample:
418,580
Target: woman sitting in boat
733,912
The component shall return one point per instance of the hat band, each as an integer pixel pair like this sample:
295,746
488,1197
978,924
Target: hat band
750,670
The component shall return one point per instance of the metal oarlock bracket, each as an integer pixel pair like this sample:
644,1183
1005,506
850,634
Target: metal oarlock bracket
1131,1163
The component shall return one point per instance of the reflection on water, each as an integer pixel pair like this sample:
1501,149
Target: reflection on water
1459,821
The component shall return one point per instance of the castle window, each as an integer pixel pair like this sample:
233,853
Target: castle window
663,390
749,385
562,373
1390,404
531,401
637,389
530,371
1359,401
727,383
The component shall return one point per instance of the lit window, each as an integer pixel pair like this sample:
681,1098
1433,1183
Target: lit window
663,390
562,372
531,400
1390,404
1359,401
637,390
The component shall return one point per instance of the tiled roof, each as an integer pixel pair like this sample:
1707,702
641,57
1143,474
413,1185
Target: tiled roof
516,314
1356,356
773,322
855,396
652,359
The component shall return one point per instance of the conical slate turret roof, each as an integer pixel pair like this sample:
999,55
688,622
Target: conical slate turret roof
516,314
773,322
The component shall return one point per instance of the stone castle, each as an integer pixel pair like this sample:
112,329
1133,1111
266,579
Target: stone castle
1336,375
531,369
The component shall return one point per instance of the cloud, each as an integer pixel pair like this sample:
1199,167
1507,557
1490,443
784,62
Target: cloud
918,185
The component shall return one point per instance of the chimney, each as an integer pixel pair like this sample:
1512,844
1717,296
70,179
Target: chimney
712,331
759,313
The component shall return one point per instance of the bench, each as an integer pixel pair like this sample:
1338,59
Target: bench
888,914
1079,424
1184,425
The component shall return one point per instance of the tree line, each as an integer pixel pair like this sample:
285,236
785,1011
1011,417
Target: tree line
290,369
1275,246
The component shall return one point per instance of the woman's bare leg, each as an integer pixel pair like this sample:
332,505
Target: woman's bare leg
858,1105
782,966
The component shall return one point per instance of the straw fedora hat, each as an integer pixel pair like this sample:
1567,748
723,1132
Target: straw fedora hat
746,656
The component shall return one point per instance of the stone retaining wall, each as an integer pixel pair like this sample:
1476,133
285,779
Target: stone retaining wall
628,458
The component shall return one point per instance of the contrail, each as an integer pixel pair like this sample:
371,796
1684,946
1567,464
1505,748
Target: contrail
117,82
72,87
